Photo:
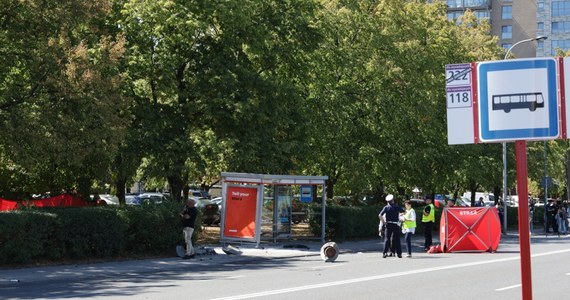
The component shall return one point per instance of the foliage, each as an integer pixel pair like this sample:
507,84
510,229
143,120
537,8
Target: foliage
59,94
350,222
177,92
30,236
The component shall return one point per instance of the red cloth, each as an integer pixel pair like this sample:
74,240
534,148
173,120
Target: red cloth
61,200
470,229
7,205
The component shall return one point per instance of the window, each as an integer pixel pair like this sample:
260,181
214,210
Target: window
540,44
482,14
559,27
507,32
540,26
454,3
540,6
507,12
560,8
560,44
475,3
506,46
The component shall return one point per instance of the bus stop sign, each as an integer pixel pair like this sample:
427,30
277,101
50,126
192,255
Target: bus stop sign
518,100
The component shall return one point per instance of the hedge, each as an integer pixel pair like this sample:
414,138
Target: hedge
361,222
34,235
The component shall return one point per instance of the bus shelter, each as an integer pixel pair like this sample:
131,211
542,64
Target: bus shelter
251,201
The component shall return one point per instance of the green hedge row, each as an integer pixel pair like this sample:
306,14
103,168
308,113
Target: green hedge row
361,222
52,234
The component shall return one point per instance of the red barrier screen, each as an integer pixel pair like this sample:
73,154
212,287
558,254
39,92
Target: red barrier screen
470,229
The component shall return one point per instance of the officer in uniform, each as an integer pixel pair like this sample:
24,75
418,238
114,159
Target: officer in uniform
391,215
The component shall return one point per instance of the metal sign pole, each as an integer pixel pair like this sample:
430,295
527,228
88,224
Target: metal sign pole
524,237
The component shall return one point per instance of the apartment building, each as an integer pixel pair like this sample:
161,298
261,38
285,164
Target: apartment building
517,20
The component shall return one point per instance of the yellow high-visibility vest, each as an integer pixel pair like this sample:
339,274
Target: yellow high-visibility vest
407,222
431,216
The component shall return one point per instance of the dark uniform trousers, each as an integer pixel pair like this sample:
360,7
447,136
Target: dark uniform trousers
428,231
392,238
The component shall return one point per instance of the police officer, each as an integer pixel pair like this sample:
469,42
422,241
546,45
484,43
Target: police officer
391,215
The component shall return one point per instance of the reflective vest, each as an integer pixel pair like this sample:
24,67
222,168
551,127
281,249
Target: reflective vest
431,216
407,222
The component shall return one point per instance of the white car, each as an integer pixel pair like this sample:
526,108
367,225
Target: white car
107,198
152,198
218,201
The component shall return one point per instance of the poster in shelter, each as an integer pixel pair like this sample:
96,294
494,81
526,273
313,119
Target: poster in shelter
240,214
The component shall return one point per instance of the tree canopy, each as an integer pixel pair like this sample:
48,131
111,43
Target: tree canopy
100,95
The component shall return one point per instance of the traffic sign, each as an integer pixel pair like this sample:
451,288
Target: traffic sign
518,100
458,75
459,88
546,181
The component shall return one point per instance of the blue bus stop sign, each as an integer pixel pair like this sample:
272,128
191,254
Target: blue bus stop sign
518,100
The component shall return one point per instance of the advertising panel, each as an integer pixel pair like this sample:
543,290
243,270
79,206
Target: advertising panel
240,212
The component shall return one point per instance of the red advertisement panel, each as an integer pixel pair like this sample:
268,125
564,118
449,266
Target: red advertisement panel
240,212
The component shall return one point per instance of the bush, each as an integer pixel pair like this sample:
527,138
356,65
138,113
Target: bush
25,235
51,234
356,222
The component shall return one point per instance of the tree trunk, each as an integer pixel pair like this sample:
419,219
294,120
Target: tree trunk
497,193
176,185
120,185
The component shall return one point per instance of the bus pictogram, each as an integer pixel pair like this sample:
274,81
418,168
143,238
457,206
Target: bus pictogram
507,102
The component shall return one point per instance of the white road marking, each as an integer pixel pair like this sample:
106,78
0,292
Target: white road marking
509,287
327,266
370,278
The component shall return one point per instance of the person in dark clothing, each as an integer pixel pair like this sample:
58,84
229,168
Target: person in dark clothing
189,214
428,219
391,216
551,210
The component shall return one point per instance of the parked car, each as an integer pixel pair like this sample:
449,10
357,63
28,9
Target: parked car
210,210
463,202
152,198
133,200
218,201
199,193
105,199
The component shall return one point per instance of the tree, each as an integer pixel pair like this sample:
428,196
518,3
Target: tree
58,94
378,94
217,80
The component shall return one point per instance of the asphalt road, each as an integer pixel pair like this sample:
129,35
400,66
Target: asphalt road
358,275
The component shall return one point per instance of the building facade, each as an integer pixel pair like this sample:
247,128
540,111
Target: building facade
516,20
553,21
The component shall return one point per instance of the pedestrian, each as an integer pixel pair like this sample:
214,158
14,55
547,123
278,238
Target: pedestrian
450,203
480,202
428,218
391,216
409,226
551,210
501,213
531,214
188,215
561,218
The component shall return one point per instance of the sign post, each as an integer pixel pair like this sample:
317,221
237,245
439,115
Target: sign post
515,100
524,237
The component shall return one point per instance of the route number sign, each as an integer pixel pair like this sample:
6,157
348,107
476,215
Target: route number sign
459,89
458,85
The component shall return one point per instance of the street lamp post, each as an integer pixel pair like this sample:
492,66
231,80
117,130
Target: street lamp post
525,197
